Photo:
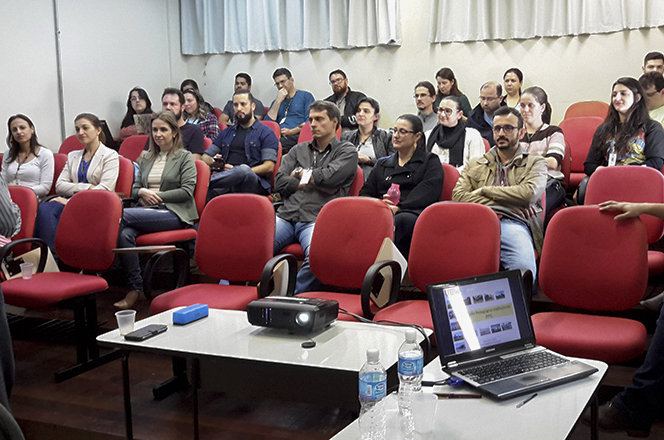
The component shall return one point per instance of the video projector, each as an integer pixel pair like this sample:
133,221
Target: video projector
295,314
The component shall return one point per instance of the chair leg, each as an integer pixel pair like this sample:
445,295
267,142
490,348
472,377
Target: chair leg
80,330
91,324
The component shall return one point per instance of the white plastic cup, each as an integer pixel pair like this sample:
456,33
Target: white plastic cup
26,270
424,412
126,320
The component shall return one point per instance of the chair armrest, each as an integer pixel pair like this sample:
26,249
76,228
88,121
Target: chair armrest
268,272
180,267
145,249
6,250
371,277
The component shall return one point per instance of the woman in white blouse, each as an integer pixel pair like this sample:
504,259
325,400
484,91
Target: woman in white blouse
27,163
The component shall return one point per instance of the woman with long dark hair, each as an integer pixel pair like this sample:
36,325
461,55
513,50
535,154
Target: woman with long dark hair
138,103
448,85
196,112
512,81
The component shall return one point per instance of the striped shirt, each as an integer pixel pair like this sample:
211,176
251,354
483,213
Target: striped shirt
547,141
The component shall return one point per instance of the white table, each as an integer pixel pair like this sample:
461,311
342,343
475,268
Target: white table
550,415
267,362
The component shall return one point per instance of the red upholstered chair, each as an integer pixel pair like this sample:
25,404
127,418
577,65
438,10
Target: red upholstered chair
592,262
26,199
450,241
348,234
222,126
306,135
274,126
579,134
451,178
59,160
587,108
125,177
235,242
487,145
566,165
632,184
86,235
132,147
70,144
207,142
217,112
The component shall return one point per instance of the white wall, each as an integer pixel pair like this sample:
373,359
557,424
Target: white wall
110,47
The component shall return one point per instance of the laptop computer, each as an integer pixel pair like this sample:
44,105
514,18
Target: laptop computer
482,323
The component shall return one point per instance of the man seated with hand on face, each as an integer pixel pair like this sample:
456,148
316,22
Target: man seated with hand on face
245,154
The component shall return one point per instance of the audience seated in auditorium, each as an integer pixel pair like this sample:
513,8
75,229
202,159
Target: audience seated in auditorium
627,136
345,98
418,174
191,84
290,109
448,85
164,190
637,407
242,82
425,95
172,100
371,142
95,167
544,140
451,141
196,113
138,103
653,87
511,182
481,117
247,152
513,80
312,174
27,163
653,62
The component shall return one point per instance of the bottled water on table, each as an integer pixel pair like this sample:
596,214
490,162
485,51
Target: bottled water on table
373,387
411,363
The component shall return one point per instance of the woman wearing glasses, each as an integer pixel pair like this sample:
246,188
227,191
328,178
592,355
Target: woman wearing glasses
450,140
418,174
27,163
138,103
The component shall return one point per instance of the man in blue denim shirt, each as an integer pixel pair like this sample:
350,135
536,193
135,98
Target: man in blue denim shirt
246,153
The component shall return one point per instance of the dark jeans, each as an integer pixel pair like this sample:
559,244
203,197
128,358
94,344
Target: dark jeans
287,142
137,221
239,179
641,402
48,217
6,357
404,224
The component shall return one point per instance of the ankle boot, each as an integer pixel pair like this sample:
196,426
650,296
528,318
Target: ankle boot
131,299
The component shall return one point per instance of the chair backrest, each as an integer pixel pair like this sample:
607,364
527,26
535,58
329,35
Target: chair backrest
26,199
59,161
590,261
217,112
358,183
451,177
235,237
88,230
277,164
125,177
454,240
579,134
202,183
207,142
274,126
70,144
132,147
629,184
348,234
566,165
222,126
587,108
487,145
306,135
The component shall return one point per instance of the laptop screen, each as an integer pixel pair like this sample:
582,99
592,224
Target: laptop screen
477,316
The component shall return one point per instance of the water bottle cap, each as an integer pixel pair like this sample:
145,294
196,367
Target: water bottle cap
411,335
373,355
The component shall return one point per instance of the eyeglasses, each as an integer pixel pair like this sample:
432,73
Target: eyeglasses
447,111
401,131
508,129
488,99
135,99
334,82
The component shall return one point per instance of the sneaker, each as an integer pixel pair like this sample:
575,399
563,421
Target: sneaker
653,303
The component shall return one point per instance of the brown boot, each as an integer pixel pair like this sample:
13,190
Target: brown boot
131,299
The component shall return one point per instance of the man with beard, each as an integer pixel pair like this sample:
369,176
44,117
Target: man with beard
425,95
345,98
245,153
481,117
172,100
511,182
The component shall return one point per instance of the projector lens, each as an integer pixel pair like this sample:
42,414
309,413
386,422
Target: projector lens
302,319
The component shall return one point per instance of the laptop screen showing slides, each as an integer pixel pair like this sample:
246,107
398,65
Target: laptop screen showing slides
485,336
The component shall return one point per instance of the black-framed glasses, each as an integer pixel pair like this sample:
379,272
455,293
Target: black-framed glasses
402,131
508,129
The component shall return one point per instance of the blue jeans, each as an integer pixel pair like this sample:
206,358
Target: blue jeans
48,217
517,250
286,233
239,179
137,221
641,402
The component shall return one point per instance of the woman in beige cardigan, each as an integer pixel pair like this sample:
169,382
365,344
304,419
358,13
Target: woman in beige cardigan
94,167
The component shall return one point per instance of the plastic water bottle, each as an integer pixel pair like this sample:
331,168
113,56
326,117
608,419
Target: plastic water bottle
411,363
394,193
373,387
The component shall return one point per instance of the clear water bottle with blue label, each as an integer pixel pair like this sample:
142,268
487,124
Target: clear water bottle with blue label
373,388
411,363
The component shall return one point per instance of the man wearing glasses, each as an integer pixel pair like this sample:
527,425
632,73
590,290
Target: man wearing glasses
481,118
511,182
653,87
425,96
345,98
291,108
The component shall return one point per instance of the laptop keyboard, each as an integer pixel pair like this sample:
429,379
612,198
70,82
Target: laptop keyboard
513,366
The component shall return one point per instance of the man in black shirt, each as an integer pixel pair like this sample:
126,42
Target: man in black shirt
345,98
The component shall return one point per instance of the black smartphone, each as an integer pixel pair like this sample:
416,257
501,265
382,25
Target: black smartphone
218,165
146,332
